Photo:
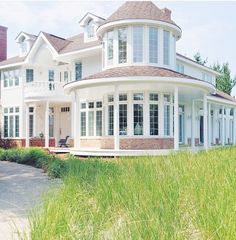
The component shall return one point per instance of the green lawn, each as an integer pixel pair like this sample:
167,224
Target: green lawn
182,196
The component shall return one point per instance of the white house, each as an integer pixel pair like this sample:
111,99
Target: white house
118,88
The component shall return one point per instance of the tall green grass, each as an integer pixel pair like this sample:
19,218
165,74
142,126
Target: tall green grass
182,196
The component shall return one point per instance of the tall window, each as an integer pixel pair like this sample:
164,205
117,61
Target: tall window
66,76
138,44
180,68
167,105
11,122
110,47
138,113
123,114
110,115
122,45
99,123
50,75
23,45
31,121
91,123
29,75
153,113
83,123
78,71
166,52
90,29
51,122
153,45
11,78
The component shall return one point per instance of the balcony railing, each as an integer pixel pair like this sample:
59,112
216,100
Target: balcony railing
40,89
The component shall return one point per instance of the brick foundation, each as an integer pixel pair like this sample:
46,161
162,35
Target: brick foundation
128,143
38,142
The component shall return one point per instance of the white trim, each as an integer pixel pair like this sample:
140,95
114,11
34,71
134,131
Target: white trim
219,100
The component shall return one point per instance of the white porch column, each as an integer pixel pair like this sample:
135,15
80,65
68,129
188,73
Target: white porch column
176,119
205,131
234,127
223,126
116,119
26,125
76,120
209,125
193,125
46,127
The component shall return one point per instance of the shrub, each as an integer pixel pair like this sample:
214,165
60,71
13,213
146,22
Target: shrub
7,143
57,168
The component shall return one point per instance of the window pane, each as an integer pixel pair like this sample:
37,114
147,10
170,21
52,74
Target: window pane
153,119
51,125
138,96
90,28
123,119
98,104
16,126
153,45
110,120
91,104
83,105
137,44
122,45
65,76
5,126
166,98
167,120
31,125
16,77
51,75
78,71
153,97
166,48
83,123
11,78
29,75
138,119
11,124
5,76
98,123
91,123
110,47
122,97
110,98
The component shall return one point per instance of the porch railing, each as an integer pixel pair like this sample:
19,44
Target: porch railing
43,89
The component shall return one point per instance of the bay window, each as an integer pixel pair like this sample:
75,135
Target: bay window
153,45
110,115
83,123
166,48
137,44
122,45
153,113
110,47
123,114
167,106
11,122
138,113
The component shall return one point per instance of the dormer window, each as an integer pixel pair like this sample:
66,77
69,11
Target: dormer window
23,45
90,29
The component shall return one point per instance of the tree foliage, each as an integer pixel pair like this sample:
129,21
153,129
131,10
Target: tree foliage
224,82
199,59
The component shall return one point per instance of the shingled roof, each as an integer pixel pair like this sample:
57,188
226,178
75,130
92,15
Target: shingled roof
141,10
12,60
133,71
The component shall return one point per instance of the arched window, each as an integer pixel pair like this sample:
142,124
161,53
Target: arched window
23,45
90,28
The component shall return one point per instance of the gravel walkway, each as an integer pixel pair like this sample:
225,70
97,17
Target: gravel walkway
21,188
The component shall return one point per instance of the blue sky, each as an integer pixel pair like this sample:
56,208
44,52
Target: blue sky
208,27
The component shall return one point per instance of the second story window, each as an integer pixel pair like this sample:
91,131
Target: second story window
66,76
29,75
51,75
122,45
166,48
153,45
110,47
23,45
180,68
11,78
90,29
138,44
78,71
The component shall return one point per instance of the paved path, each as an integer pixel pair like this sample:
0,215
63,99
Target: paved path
21,188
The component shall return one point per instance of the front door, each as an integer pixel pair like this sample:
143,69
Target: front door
201,130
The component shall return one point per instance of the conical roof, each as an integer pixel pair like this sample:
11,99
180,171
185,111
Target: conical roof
141,10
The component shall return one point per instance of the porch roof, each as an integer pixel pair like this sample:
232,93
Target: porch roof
222,95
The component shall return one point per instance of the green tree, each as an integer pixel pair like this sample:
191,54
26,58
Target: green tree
224,82
199,59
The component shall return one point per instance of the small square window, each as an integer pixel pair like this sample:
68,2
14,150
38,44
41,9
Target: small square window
11,110
166,98
138,96
91,104
153,97
122,97
17,109
31,109
5,110
110,98
83,105
98,104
